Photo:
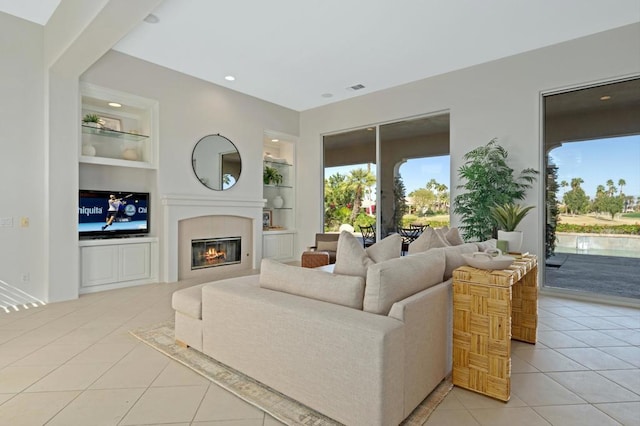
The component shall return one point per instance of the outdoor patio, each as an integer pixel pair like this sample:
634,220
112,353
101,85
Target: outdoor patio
607,275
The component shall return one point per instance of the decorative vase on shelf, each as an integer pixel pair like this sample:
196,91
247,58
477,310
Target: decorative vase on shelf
130,154
88,150
278,202
513,239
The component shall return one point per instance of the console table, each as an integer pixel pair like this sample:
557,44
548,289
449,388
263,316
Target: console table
489,309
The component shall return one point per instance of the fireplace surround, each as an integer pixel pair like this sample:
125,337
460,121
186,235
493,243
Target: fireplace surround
194,217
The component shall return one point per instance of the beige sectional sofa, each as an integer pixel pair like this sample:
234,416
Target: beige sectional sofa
364,348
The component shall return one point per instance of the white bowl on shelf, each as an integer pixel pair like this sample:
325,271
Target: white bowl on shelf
484,260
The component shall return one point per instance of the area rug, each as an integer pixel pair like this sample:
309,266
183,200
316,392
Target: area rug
279,406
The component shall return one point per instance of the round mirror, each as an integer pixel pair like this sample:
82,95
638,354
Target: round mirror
216,162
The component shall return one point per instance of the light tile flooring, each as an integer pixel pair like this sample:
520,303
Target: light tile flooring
74,363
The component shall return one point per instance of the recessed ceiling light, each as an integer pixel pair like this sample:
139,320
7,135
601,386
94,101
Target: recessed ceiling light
114,104
151,19
327,95
275,140
229,78
605,98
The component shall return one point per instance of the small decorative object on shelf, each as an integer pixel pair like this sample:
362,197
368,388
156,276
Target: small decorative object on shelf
266,219
130,154
278,202
88,150
92,120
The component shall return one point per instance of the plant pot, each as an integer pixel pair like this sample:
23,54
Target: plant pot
513,239
278,202
92,124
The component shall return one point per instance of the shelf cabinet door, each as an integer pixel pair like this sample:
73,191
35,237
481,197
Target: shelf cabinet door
135,262
99,265
115,263
278,246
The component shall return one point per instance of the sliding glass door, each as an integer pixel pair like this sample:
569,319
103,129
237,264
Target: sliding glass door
372,174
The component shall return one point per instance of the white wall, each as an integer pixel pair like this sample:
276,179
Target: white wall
22,167
497,99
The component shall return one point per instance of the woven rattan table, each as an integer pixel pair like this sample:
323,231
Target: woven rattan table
489,309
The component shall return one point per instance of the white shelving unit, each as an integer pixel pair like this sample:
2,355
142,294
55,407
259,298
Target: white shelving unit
121,154
278,240
125,137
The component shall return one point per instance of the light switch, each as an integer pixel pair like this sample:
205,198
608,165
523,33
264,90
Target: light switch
6,222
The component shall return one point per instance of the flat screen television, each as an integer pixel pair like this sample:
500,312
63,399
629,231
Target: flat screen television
112,214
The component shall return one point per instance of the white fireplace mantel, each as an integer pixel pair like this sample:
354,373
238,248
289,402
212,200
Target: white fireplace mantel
179,207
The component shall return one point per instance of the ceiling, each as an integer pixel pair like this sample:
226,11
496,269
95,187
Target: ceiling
305,54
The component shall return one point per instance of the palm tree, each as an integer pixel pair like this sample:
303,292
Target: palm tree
358,180
576,182
611,187
621,183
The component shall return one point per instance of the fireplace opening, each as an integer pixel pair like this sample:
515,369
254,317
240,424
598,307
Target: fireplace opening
212,252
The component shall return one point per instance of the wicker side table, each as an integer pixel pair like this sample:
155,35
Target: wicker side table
314,259
489,309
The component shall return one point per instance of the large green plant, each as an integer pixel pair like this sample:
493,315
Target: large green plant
487,180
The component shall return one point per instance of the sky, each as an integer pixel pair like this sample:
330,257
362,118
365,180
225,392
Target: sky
598,161
593,161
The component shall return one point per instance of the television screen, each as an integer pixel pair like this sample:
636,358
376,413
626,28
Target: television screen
105,214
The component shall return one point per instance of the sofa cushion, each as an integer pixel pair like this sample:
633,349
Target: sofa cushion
453,237
188,301
430,238
454,259
312,283
396,279
353,259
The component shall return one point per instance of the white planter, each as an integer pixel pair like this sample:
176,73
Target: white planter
513,238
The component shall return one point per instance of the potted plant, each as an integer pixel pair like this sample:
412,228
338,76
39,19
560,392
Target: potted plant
271,176
507,217
92,120
487,180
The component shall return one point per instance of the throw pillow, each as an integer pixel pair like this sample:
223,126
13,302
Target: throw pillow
453,237
353,259
311,283
396,279
430,238
327,246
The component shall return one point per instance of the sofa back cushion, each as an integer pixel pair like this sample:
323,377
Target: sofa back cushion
353,259
396,279
313,284
327,246
454,259
430,238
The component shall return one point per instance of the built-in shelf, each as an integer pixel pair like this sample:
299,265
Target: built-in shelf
278,186
90,130
122,159
278,240
277,163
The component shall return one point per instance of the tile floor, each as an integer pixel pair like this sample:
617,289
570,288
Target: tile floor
74,363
